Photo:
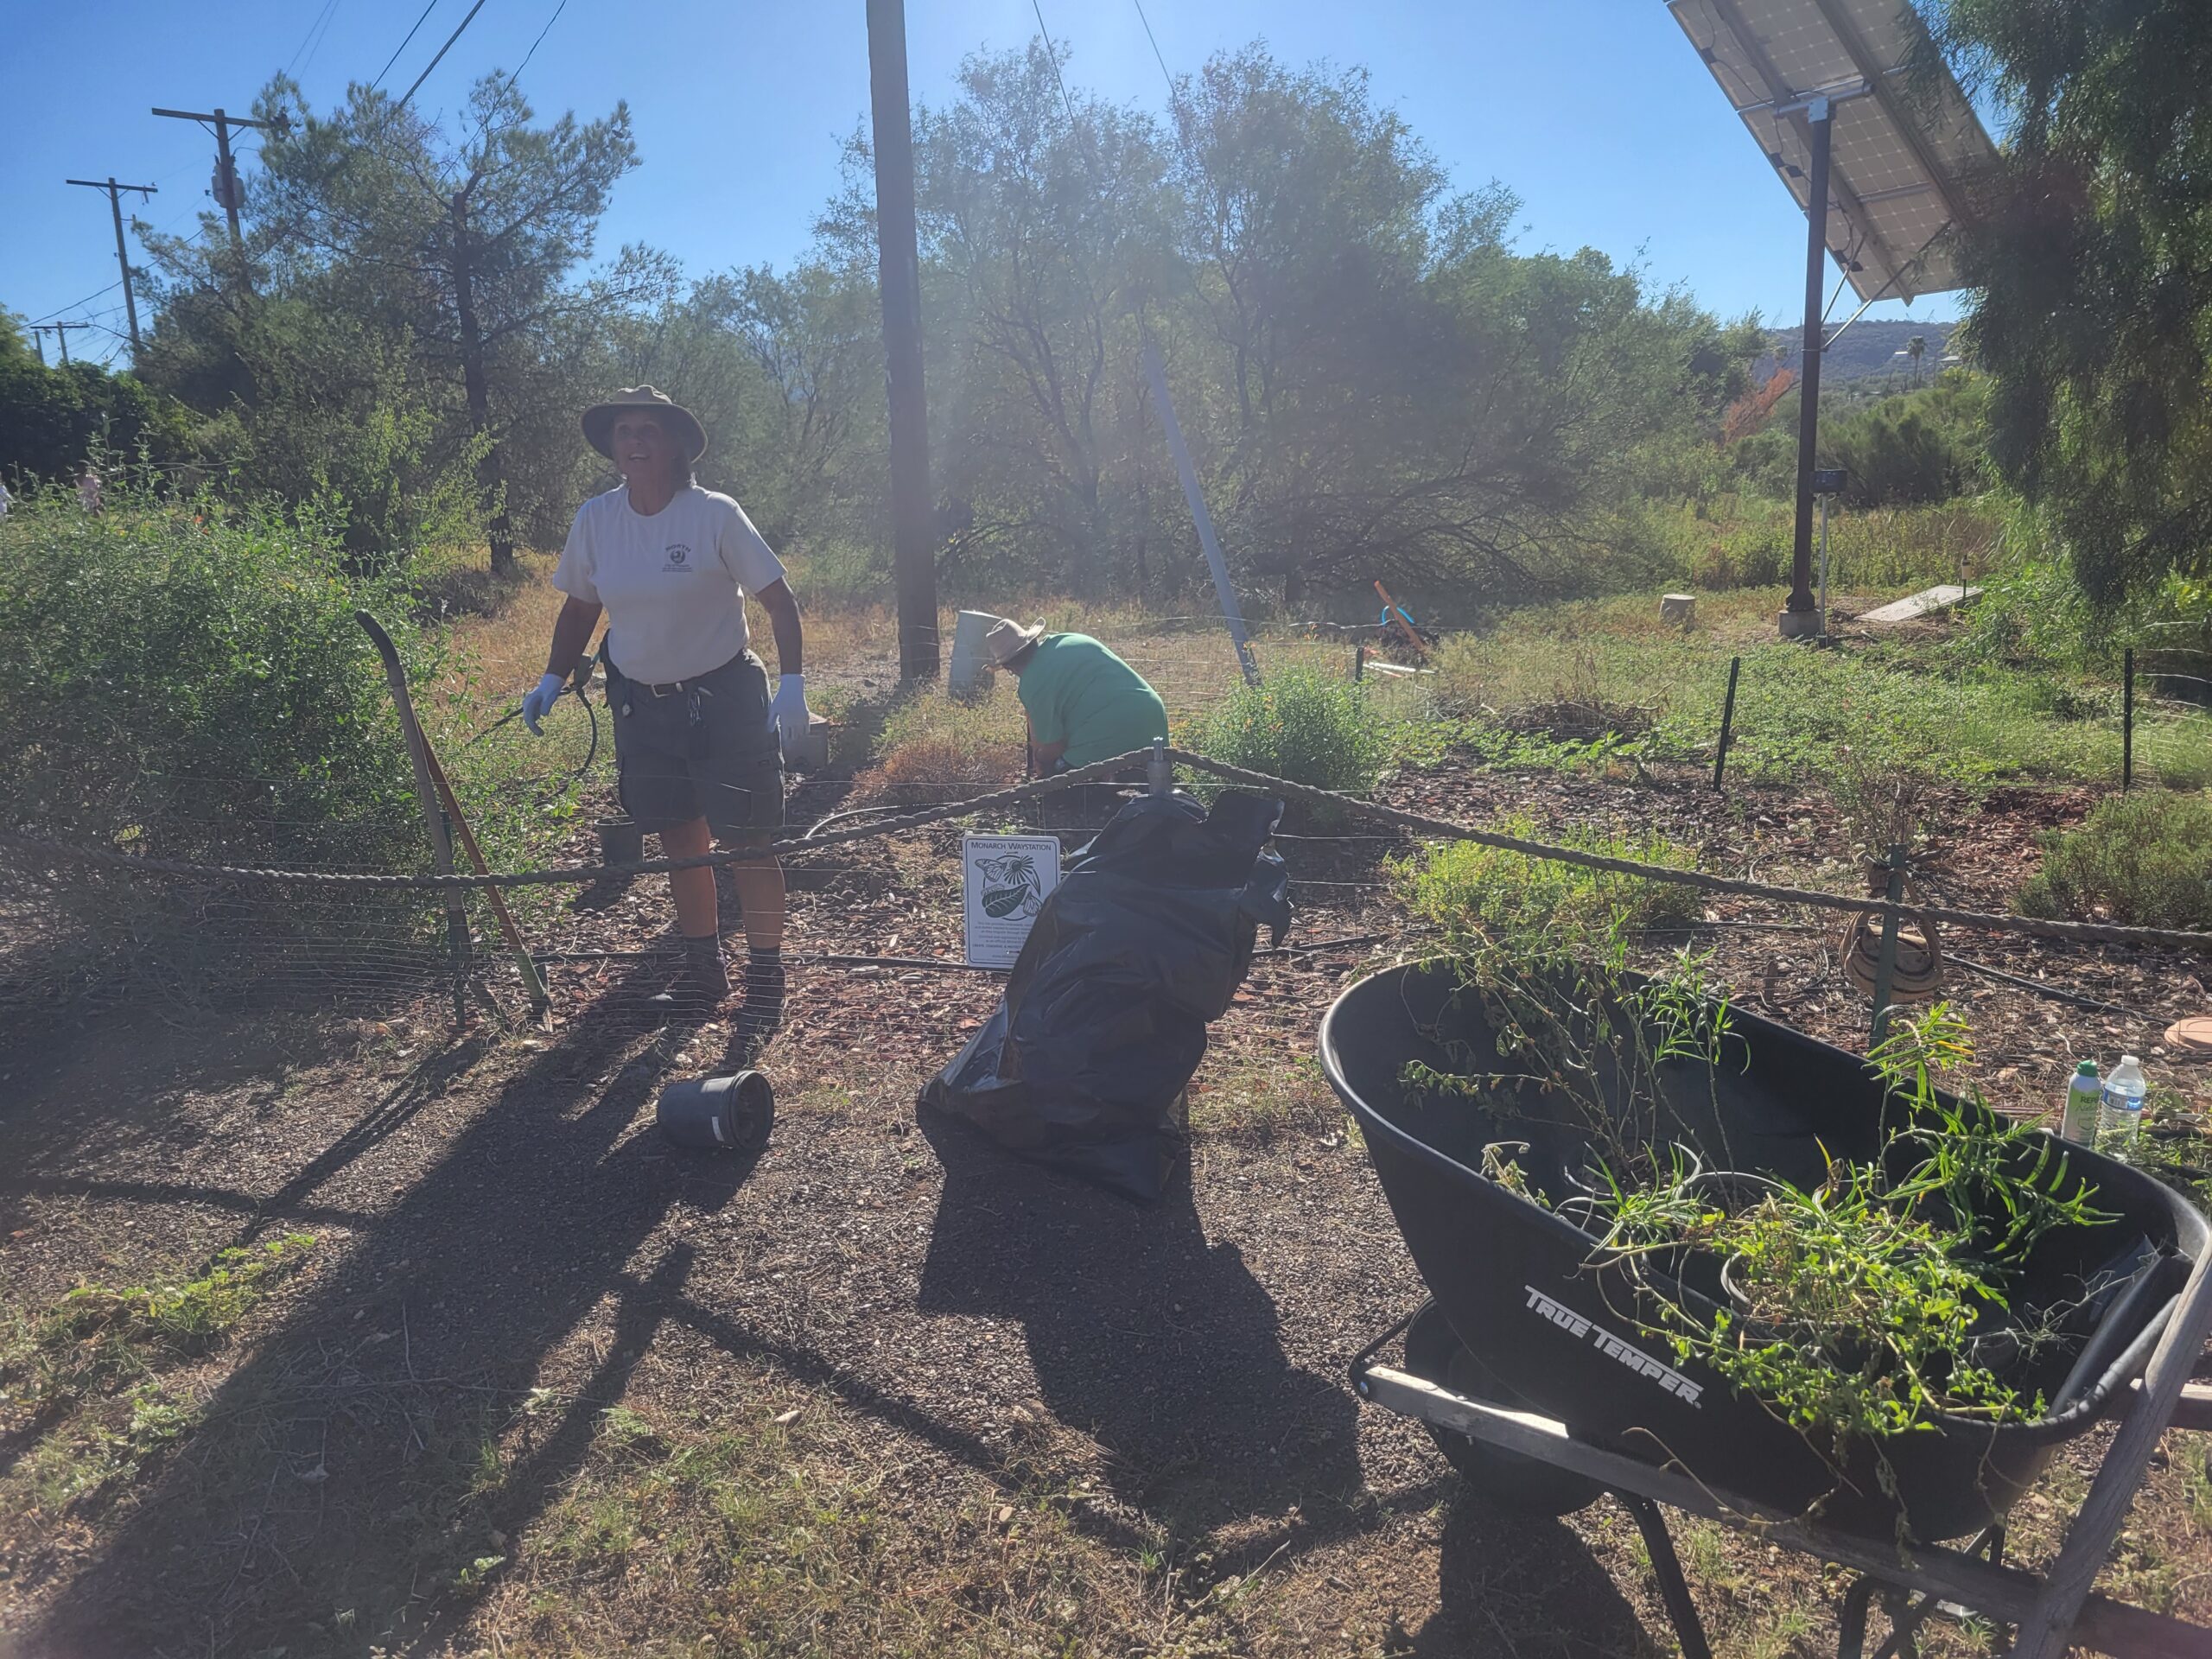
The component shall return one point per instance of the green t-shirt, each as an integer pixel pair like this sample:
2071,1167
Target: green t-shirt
1076,690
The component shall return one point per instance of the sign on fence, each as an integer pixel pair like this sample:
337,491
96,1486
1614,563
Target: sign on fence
1004,880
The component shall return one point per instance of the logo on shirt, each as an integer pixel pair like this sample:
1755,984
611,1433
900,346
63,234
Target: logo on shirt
677,553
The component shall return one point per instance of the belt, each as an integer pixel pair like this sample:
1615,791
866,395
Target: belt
678,688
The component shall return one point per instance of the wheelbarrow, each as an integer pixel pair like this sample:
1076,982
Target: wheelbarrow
1534,1367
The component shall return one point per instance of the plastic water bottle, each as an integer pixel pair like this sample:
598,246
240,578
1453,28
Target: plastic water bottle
2120,1114
2084,1100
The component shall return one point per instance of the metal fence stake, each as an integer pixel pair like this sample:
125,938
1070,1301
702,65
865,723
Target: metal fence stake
1727,719
2128,720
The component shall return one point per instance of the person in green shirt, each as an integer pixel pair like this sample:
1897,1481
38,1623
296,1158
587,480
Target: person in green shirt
1084,703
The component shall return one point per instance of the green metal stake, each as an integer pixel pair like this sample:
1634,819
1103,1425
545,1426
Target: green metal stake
1886,963
2128,720
1727,719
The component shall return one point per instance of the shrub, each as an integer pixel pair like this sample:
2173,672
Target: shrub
1301,724
2144,859
193,684
1476,894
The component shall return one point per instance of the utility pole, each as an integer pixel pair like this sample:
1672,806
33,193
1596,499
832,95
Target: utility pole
122,256
226,173
913,551
60,332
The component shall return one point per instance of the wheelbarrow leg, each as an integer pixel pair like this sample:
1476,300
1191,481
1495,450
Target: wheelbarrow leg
1673,1589
1851,1623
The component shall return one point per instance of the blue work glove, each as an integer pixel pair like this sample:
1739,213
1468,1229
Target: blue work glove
788,713
538,702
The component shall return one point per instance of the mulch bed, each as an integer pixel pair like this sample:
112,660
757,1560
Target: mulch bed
504,1206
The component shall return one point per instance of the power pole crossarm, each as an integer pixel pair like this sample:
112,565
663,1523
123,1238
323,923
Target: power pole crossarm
227,172
122,254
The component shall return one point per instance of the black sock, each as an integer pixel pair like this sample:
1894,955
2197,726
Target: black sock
764,974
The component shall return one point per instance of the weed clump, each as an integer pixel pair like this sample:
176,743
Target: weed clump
2142,860
1302,724
1474,894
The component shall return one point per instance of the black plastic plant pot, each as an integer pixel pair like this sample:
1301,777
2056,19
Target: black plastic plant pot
732,1113
621,841
1551,1323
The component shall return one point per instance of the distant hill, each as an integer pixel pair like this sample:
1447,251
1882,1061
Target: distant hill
1866,349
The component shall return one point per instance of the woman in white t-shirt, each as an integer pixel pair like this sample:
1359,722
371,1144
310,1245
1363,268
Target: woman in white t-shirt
697,738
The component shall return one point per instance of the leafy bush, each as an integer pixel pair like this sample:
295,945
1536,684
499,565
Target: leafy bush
192,683
1475,894
2143,859
1301,724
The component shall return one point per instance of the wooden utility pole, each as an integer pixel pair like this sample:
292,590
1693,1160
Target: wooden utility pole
60,332
122,255
913,544
226,173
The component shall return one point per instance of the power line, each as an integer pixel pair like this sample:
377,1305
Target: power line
539,41
1157,57
321,18
433,63
402,47
1036,7
73,304
330,17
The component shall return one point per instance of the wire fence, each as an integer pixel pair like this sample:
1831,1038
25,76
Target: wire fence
146,883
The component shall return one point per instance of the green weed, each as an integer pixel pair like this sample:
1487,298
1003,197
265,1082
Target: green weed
1469,890
1303,723
2142,859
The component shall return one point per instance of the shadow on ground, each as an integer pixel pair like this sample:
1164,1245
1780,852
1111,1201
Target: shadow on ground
348,1475
1143,1333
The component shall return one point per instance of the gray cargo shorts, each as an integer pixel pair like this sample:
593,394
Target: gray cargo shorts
699,749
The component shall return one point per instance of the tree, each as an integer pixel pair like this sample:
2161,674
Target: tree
2092,251
430,282
52,420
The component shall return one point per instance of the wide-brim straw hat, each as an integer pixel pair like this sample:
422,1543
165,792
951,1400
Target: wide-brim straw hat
679,421
1006,639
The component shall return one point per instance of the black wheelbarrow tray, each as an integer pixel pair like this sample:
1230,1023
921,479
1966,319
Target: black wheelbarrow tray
1533,1365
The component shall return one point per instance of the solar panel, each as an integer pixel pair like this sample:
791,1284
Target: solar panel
1902,157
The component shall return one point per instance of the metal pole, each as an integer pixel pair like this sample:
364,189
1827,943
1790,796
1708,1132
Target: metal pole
899,274
1158,375
2128,720
1885,961
1727,719
1359,662
1820,120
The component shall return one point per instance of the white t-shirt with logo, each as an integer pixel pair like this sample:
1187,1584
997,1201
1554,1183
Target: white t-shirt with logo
673,584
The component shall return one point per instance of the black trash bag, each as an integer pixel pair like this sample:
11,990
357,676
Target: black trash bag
1082,1064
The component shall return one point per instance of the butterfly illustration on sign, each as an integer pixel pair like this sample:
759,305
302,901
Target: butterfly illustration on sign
1012,887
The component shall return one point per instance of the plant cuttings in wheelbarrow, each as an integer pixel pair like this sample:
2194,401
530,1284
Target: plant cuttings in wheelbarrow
1869,1303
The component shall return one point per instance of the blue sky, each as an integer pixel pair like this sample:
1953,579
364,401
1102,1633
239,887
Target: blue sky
1596,113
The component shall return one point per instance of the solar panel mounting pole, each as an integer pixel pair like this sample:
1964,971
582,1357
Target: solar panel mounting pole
1800,618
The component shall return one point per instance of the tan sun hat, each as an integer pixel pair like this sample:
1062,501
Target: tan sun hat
682,423
1005,638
